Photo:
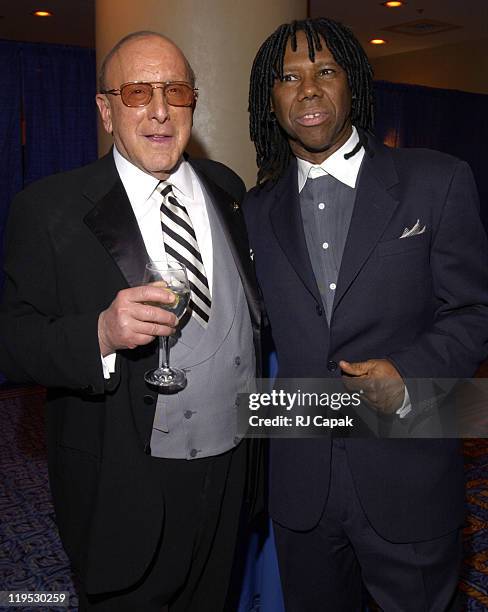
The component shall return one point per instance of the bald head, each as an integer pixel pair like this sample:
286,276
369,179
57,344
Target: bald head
153,136
126,40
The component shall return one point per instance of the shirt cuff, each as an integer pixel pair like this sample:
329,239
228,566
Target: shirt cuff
108,365
406,407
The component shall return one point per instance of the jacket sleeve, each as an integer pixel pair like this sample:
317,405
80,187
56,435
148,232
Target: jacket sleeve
457,340
38,342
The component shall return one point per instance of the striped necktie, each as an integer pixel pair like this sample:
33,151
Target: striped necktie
180,243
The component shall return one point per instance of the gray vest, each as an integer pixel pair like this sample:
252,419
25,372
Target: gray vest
201,420
326,206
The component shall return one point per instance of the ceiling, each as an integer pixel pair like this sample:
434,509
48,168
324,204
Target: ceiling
74,21
368,18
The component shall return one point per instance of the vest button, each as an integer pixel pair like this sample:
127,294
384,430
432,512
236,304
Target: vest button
319,309
332,365
237,361
188,414
193,452
148,399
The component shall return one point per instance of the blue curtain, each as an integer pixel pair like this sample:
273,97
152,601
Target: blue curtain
47,118
11,171
59,104
454,122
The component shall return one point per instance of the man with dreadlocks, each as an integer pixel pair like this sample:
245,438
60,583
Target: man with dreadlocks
373,265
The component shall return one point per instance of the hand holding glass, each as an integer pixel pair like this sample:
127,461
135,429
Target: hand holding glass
171,276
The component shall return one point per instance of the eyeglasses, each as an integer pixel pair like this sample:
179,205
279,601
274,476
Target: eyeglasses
139,93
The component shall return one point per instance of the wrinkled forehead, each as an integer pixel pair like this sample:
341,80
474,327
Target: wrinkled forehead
145,59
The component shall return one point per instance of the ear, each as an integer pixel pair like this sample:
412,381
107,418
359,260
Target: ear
105,112
193,106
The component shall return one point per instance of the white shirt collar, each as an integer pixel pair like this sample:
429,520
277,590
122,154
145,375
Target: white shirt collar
140,186
181,180
344,170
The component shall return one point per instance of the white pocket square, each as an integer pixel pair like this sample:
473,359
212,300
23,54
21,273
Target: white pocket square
414,231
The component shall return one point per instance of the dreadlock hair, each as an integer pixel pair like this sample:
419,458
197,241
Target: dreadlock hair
273,153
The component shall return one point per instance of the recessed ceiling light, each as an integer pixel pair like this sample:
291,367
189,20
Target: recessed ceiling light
378,41
42,14
393,3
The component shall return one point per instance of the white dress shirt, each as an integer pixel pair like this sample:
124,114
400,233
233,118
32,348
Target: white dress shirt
344,170
146,202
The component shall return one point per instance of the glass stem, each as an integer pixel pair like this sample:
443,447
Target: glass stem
165,357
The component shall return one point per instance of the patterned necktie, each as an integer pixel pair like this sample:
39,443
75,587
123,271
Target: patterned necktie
180,243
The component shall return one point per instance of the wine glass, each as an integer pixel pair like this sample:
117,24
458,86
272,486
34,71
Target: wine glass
171,276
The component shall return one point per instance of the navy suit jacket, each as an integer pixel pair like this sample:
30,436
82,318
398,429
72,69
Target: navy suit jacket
421,302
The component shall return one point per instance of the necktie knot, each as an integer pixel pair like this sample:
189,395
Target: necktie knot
164,189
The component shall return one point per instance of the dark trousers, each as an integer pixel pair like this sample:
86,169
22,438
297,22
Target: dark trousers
324,569
191,569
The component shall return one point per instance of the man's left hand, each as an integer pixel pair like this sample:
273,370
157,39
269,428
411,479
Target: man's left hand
378,379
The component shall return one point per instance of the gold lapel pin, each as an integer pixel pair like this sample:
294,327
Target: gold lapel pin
235,206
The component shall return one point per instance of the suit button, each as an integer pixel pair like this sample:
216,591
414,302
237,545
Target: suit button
193,452
320,310
237,361
188,414
332,365
148,399
147,448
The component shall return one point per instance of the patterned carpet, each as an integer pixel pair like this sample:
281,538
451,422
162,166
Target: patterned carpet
31,557
474,580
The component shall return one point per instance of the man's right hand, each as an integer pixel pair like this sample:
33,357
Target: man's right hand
130,321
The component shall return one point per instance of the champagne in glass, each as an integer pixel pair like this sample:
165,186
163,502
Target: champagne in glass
172,276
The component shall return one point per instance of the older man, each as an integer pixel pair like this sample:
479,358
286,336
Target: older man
147,487
372,263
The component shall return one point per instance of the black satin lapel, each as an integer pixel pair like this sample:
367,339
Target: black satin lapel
113,222
232,220
287,224
373,210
